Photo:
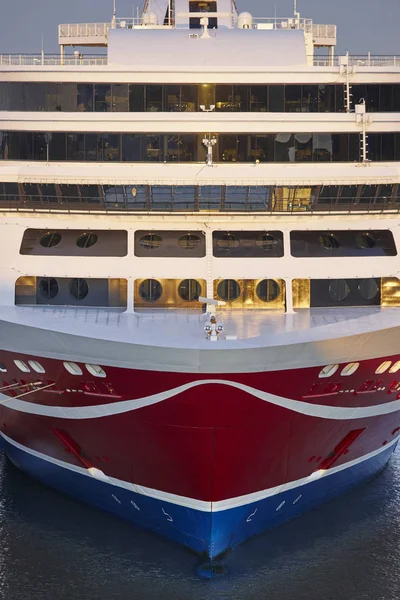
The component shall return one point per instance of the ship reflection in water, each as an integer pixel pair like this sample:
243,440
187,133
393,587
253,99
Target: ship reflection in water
53,547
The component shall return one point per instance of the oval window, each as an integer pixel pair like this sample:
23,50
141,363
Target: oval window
329,241
350,369
368,289
48,288
383,367
79,288
227,241
50,239
189,241
228,290
365,241
95,370
36,366
266,241
22,366
339,290
150,241
86,240
73,368
268,290
328,371
395,368
3,368
150,290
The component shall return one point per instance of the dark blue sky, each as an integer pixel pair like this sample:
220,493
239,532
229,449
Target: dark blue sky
364,25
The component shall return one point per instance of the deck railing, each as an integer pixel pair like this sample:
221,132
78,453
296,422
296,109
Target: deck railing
81,59
123,204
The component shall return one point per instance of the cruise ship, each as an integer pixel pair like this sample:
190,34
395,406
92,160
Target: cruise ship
199,271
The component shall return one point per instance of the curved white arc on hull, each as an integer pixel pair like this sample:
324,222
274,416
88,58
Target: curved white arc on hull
203,505
338,413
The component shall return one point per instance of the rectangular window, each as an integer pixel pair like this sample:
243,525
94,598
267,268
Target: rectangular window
189,98
111,146
93,149
102,98
342,243
136,98
224,98
293,98
259,98
154,101
75,146
85,97
276,98
131,147
172,98
284,147
58,148
322,147
120,97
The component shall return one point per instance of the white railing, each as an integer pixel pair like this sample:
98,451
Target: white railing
81,30
324,31
35,60
361,61
284,23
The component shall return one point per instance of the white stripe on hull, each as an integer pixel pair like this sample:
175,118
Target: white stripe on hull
338,413
201,504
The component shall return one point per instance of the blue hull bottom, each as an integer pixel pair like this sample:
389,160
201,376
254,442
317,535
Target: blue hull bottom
201,531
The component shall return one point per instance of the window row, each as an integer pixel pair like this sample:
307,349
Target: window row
351,368
226,244
200,198
135,147
37,367
124,97
184,293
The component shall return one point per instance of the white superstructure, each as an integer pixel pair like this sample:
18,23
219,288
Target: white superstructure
298,142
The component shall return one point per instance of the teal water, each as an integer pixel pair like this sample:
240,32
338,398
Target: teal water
53,548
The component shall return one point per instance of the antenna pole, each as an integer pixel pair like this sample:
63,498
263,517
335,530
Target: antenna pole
114,18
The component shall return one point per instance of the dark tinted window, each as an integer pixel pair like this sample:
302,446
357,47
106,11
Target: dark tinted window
247,244
344,292
342,243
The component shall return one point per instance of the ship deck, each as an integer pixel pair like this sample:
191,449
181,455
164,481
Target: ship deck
185,329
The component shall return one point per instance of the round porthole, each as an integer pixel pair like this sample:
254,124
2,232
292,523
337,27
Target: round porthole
349,369
189,241
79,288
150,290
365,241
266,241
86,240
339,290
189,290
329,241
368,289
48,288
150,241
267,290
227,241
3,368
50,239
228,290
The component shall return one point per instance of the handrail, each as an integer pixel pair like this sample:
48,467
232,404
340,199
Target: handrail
81,59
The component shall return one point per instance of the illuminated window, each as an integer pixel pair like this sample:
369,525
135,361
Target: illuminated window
22,366
395,367
350,369
36,366
73,368
328,371
383,367
96,370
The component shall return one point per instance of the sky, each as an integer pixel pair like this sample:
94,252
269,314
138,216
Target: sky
363,25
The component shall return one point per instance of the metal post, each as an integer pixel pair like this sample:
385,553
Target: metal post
289,297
